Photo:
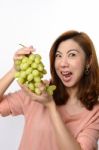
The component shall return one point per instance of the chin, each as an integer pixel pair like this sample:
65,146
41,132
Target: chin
70,85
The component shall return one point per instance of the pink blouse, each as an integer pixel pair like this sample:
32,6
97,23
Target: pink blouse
38,129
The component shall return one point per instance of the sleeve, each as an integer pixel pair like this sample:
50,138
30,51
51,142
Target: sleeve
12,103
89,137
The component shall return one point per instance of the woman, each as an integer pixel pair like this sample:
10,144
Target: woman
68,120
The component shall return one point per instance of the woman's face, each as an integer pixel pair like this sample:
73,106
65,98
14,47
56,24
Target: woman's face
70,62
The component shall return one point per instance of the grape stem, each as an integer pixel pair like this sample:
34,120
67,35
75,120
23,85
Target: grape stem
22,45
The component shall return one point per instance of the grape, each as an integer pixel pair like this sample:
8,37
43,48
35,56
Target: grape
37,59
30,71
17,74
30,77
35,72
25,59
22,74
17,62
32,57
36,84
24,66
34,65
41,74
31,86
40,67
21,80
30,61
37,91
37,79
44,71
50,89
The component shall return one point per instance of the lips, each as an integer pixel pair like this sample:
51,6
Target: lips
66,75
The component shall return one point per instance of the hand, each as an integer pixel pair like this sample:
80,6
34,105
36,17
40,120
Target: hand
44,98
22,52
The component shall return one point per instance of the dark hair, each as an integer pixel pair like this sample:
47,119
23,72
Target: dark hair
89,84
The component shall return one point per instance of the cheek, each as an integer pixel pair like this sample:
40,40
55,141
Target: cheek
82,62
80,65
56,65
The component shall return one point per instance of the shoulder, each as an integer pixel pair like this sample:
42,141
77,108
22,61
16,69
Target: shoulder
96,108
95,111
89,134
94,116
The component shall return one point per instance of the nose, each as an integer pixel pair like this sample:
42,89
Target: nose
64,63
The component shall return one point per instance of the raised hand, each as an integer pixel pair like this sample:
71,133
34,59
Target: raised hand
30,71
20,53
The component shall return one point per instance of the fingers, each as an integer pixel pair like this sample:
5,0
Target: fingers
23,51
46,82
42,87
26,90
43,98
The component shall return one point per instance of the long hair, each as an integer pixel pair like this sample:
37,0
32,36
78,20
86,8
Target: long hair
88,92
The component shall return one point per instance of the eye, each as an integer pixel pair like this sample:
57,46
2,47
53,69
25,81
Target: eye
72,54
57,55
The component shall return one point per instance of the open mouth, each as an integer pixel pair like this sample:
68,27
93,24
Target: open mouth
66,75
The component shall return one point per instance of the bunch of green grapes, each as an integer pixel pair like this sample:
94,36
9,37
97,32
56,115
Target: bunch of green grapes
30,71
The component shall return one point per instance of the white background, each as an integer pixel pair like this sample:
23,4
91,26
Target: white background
38,23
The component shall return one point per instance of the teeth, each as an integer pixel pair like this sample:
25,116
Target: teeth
66,73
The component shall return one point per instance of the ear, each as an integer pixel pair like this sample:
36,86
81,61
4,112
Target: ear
89,62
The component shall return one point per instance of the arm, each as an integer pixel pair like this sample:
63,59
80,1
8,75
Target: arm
64,137
6,81
9,76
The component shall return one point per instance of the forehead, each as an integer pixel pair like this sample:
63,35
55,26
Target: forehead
68,44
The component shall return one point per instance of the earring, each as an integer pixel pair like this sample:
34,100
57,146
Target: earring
87,70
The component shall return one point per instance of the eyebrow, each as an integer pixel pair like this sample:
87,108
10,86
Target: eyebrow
72,50
58,52
68,51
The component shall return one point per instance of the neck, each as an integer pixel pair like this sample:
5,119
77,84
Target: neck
72,95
